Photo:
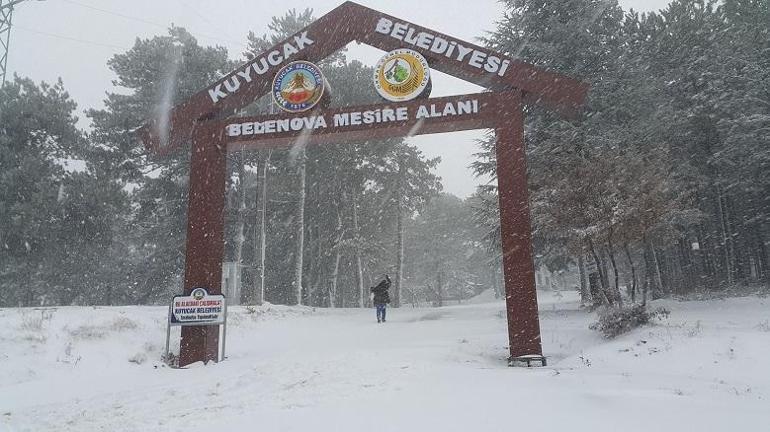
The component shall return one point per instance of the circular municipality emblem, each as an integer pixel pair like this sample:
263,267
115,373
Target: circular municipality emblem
298,86
198,293
401,75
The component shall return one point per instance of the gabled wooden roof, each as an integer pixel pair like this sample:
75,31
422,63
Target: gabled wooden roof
352,22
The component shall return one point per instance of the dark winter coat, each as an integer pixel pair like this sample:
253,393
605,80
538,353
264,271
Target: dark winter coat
381,294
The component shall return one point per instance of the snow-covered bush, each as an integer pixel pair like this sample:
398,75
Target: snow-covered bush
32,321
99,331
138,358
170,359
614,322
764,326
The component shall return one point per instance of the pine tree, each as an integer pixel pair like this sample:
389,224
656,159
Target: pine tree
155,74
56,216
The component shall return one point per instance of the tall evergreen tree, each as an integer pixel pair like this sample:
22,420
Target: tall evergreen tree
56,220
156,74
647,171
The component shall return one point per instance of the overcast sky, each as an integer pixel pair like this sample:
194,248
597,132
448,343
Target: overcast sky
73,39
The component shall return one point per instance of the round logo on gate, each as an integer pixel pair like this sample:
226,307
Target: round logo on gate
198,293
298,86
401,75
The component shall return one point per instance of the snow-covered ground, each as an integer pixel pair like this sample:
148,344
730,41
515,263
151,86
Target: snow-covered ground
297,369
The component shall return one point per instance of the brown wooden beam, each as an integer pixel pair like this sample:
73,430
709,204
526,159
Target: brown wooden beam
490,105
205,242
331,32
516,233
503,112
200,106
556,91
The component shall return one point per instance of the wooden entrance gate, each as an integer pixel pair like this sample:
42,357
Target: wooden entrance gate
202,121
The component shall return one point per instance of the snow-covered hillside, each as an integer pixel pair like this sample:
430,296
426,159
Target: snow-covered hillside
298,369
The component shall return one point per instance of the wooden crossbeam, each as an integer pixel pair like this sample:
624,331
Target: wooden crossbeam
352,22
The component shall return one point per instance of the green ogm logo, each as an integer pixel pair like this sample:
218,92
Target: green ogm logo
397,71
402,75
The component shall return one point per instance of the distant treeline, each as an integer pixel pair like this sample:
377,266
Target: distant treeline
87,217
664,184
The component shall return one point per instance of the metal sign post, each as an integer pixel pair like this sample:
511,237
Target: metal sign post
198,309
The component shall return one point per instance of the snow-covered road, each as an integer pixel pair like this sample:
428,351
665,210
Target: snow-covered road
295,369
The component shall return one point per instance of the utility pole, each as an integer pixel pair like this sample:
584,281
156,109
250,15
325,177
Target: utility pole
6,13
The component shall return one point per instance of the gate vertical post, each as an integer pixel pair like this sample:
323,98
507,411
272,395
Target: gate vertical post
516,233
205,238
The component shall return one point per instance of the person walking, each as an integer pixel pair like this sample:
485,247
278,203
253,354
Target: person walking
381,298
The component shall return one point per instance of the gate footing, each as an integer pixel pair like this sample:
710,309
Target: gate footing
528,360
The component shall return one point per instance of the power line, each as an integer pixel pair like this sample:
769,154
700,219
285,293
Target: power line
58,36
6,13
144,21
204,19
128,17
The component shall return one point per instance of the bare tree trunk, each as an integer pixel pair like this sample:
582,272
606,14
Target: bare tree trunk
400,237
493,281
300,243
439,287
656,266
315,290
762,257
335,277
240,235
735,257
357,250
725,239
30,291
260,244
584,293
602,280
337,257
652,275
646,284
633,272
610,251
707,266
